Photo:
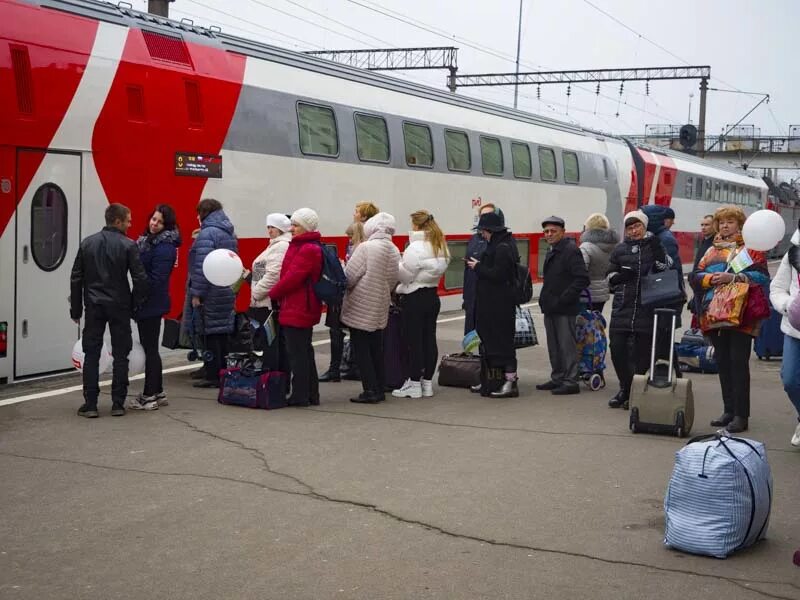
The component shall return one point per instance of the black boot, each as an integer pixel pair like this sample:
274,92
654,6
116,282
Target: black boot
508,390
330,375
618,400
737,425
722,420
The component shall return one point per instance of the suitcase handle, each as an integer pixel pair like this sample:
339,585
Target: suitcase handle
657,313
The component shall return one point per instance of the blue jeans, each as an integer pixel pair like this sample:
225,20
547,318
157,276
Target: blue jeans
790,370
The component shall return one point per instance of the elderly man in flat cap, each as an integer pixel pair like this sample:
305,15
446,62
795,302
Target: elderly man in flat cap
565,276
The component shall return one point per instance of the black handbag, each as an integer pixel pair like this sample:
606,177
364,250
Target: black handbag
174,337
460,370
661,289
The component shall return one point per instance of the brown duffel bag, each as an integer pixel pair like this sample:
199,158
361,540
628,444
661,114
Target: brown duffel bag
460,370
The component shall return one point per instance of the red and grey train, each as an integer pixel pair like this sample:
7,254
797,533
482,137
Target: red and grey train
100,103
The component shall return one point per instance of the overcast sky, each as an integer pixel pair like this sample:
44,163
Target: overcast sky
747,44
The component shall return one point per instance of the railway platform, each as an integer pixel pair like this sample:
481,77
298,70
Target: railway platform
454,496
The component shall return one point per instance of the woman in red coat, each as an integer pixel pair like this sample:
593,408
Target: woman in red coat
300,309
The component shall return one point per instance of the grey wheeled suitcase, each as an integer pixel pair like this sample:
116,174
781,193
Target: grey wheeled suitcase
659,402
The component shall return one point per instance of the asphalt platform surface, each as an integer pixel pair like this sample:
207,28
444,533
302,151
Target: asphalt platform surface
454,496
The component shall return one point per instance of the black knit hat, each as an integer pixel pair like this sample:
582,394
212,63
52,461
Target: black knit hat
490,222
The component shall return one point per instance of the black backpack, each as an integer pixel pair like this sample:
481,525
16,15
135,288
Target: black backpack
332,282
523,285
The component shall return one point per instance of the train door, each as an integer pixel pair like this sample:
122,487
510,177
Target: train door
47,238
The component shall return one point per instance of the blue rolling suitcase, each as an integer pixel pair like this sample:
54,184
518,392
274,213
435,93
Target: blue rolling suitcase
769,343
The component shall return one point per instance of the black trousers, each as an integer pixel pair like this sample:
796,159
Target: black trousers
732,351
630,354
149,330
305,384
420,311
368,349
94,326
217,344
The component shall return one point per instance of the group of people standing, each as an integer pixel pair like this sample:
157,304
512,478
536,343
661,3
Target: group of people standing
575,277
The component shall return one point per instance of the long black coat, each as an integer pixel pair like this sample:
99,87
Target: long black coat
495,309
642,256
565,277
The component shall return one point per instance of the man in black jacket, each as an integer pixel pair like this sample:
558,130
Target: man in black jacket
100,283
565,276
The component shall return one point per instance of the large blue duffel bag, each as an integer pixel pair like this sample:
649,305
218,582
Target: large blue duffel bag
719,496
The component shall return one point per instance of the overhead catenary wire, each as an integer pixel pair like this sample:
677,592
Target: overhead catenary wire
386,12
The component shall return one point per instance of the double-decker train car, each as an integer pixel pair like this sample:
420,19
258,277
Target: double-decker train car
100,103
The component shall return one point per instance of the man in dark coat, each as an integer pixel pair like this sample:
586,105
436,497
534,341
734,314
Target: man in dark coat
475,249
565,276
99,283
707,234
495,308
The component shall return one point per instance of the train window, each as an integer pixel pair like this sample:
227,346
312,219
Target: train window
318,134
708,193
454,275
698,189
717,192
521,160
419,145
689,187
547,164
572,172
605,169
740,196
372,138
725,193
49,227
524,249
491,156
456,145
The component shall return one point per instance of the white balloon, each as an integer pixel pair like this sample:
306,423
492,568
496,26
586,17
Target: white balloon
78,356
763,230
136,359
222,267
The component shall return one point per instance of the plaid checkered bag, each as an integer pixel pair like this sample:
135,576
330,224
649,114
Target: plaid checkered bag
524,331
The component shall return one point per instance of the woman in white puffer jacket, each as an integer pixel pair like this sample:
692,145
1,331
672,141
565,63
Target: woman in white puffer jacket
784,289
423,264
267,266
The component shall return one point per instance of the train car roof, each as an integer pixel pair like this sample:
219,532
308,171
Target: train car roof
704,164
124,14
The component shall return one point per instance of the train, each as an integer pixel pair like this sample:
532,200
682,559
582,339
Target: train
101,103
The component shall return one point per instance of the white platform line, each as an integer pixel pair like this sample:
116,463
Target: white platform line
107,382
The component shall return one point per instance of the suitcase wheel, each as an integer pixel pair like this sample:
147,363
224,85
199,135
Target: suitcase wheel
596,382
208,356
634,422
192,356
680,424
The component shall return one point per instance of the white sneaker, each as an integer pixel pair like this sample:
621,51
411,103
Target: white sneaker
427,388
141,403
796,436
161,399
410,389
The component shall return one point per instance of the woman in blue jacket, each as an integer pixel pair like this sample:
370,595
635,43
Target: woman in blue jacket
158,249
213,304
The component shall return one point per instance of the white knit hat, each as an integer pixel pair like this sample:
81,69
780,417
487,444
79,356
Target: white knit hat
306,218
279,221
637,215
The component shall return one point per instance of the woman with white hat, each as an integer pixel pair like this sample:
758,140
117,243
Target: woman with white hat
631,327
266,271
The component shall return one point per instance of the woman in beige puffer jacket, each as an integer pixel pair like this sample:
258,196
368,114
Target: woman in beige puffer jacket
371,276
